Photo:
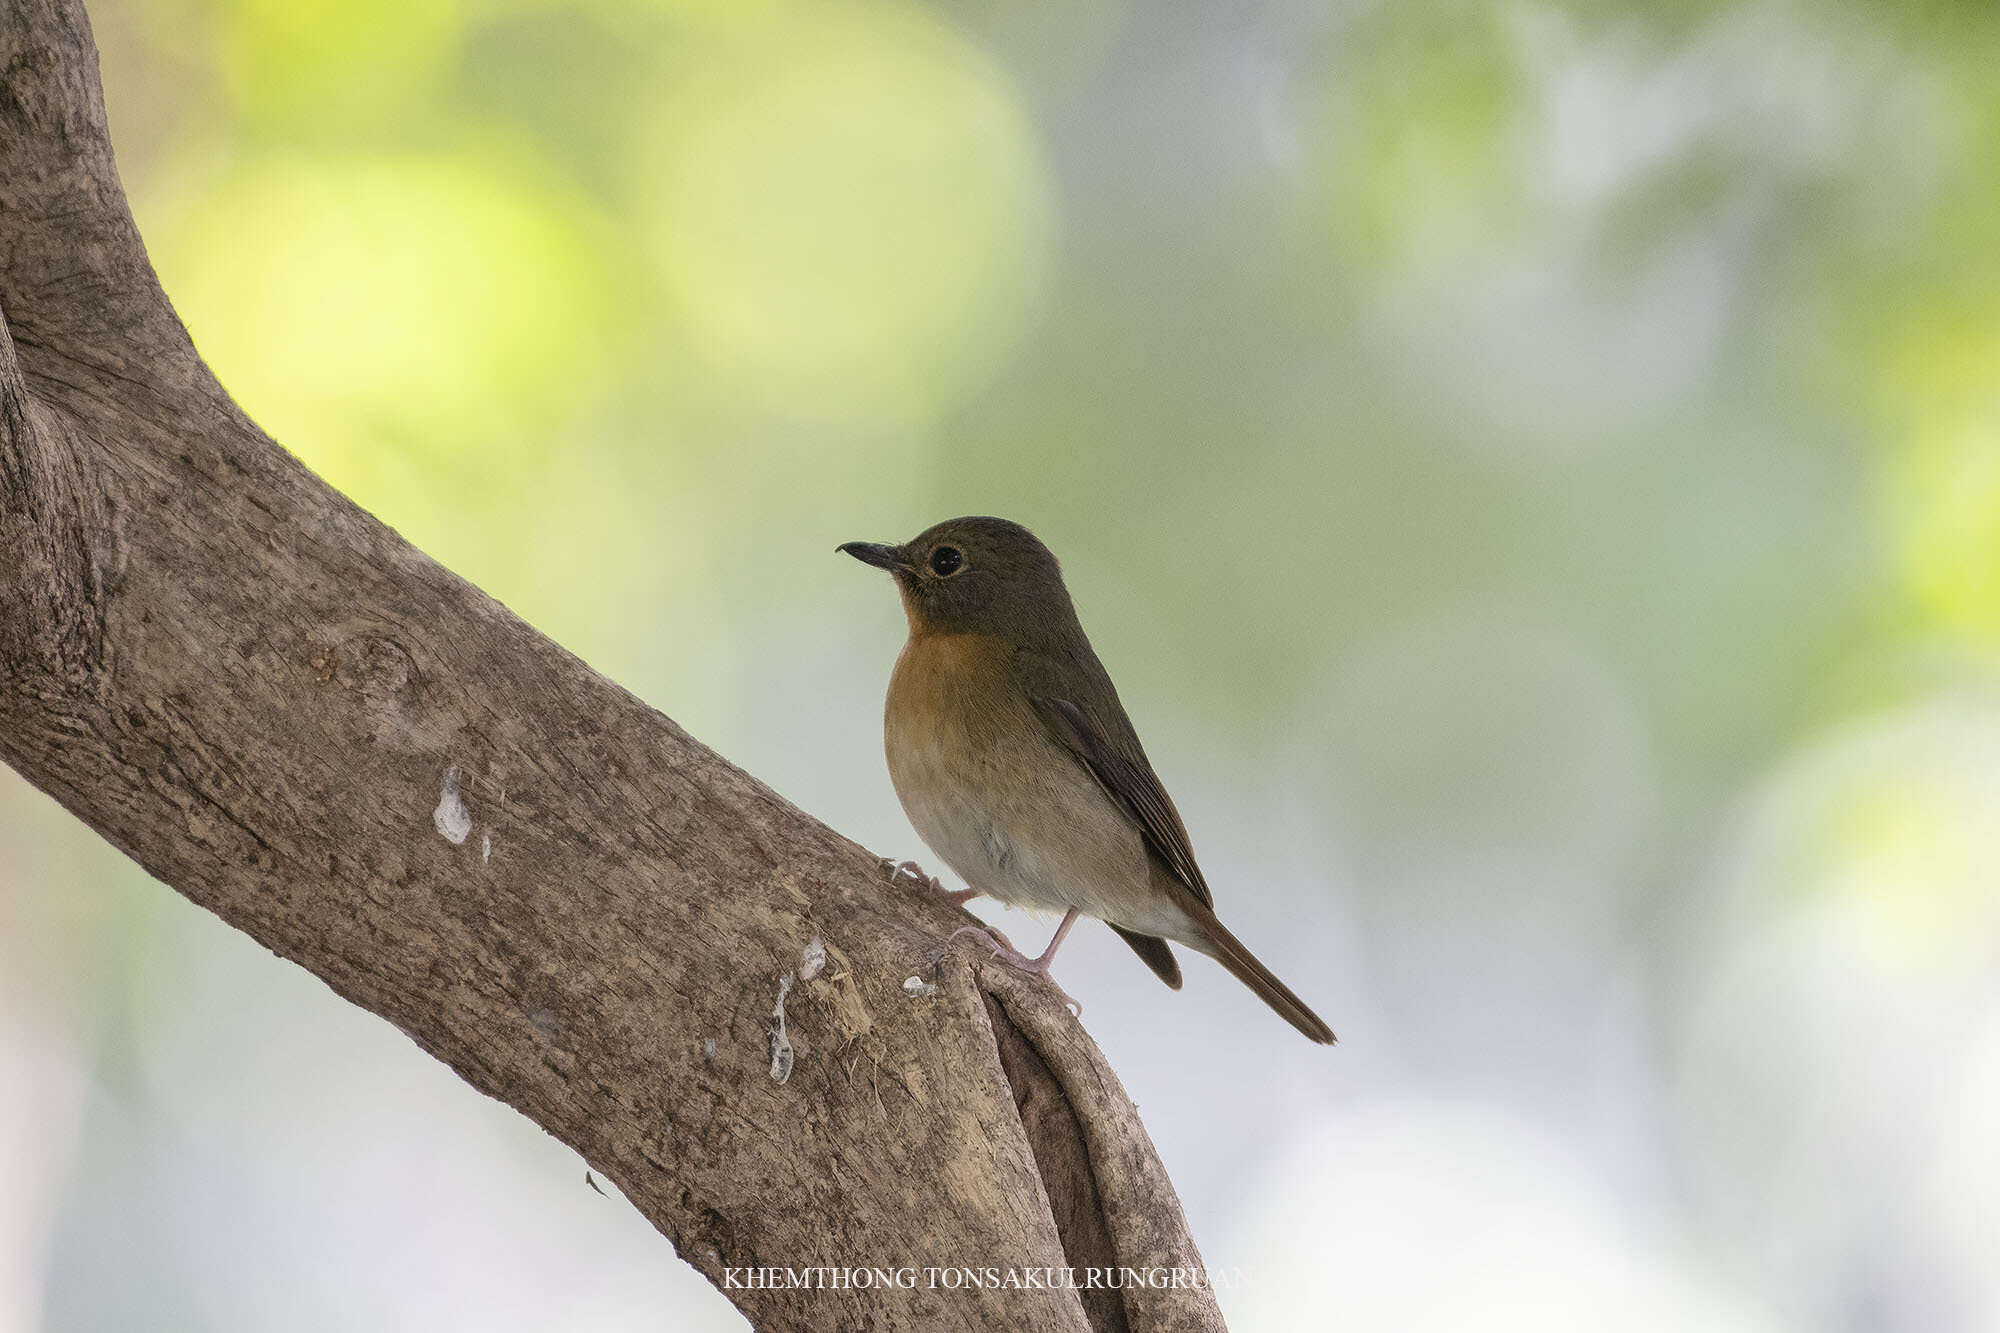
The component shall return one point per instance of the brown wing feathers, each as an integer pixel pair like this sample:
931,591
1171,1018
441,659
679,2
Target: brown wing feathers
1131,782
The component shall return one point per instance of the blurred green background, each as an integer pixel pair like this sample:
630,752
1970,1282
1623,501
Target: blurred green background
1533,469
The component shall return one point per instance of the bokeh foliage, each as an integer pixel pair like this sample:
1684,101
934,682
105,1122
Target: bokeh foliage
1534,470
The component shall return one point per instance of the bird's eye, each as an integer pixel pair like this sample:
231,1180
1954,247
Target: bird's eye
945,561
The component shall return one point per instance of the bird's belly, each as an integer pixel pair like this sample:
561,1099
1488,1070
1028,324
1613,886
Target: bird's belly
981,850
1025,825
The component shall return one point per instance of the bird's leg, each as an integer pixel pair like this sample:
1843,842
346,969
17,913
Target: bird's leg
1039,966
916,872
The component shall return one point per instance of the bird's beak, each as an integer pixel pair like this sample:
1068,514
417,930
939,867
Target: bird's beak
874,553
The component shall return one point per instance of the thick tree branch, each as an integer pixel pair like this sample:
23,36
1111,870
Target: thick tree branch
284,711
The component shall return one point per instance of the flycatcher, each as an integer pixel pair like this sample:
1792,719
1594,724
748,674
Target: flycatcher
1017,765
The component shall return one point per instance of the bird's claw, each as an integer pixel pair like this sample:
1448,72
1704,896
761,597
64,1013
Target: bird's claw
1004,950
898,869
913,870
1002,946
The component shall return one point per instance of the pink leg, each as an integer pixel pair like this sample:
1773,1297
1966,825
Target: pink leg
1039,966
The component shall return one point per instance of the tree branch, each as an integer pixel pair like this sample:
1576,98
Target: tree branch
284,711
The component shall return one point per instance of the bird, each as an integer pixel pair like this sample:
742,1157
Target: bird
1016,764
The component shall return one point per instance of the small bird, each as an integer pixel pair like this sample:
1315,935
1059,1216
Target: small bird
1016,763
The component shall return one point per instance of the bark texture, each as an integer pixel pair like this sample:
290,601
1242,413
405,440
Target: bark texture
284,711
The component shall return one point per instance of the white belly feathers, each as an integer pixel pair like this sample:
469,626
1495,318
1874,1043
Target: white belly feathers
1011,811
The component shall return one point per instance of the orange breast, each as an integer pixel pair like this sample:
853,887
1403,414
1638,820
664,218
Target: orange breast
948,689
992,793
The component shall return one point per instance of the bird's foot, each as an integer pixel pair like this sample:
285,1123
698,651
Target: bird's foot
1013,957
916,872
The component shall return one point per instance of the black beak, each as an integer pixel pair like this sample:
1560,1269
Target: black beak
874,553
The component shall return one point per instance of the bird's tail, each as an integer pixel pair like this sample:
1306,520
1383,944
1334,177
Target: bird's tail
1225,948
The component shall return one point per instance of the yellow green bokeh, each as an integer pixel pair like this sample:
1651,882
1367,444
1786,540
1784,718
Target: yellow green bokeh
365,303
847,206
314,65
1944,478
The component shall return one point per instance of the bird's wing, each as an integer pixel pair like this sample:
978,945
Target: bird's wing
1130,782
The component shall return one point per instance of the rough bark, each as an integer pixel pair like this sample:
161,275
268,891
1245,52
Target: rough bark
284,711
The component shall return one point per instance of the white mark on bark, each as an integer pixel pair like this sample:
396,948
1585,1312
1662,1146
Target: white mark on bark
485,847
814,961
708,1048
781,1045
453,820
918,989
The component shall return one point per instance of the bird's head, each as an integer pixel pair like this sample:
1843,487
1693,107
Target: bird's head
975,576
